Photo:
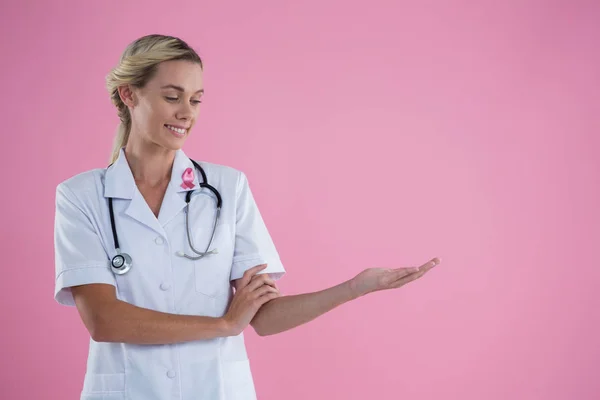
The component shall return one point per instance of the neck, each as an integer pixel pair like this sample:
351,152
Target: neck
150,164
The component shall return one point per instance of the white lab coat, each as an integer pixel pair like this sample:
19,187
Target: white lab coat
215,369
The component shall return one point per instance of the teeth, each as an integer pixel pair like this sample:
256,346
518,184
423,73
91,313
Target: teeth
178,130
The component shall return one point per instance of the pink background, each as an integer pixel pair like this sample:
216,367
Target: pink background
375,133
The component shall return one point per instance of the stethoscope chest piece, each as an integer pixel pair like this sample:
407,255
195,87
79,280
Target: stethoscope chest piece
121,263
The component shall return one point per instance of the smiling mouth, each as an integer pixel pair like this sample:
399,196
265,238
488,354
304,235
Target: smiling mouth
178,131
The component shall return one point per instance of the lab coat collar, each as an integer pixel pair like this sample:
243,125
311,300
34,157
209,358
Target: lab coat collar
119,183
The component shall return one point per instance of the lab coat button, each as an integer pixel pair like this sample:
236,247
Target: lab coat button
165,286
159,240
171,374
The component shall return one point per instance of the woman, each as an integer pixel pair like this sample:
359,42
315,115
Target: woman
164,287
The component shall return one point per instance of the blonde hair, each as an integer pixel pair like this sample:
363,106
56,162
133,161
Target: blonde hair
136,67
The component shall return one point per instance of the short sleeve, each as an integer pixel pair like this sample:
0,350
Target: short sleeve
253,243
80,257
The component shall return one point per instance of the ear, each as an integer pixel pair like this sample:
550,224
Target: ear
127,95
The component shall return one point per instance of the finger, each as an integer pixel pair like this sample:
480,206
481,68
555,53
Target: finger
251,272
430,264
264,290
402,272
266,298
259,281
265,278
407,279
405,271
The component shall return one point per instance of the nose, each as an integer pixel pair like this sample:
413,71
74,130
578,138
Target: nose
186,112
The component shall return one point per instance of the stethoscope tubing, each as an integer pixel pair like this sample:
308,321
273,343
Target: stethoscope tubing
121,263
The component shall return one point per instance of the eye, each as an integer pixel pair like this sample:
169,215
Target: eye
175,99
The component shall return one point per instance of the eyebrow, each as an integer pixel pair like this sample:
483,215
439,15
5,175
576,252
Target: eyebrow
179,88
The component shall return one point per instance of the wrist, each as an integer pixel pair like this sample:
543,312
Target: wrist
353,291
225,327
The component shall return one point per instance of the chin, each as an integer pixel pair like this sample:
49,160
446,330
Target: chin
172,142
169,143
174,145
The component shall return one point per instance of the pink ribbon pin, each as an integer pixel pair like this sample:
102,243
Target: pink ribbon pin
188,178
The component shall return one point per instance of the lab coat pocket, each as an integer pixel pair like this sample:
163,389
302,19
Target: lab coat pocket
212,271
103,387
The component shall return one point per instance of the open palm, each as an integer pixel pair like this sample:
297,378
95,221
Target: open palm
374,279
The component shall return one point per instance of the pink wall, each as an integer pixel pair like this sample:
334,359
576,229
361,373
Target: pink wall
379,133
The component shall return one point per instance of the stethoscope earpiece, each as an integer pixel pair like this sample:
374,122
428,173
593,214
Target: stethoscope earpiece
121,263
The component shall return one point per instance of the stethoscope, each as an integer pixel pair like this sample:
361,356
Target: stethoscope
122,262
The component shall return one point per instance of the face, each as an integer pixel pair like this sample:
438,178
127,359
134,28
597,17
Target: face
164,111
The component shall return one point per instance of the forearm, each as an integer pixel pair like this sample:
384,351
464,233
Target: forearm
286,312
125,323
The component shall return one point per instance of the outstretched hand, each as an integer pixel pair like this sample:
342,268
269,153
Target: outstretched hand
374,279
